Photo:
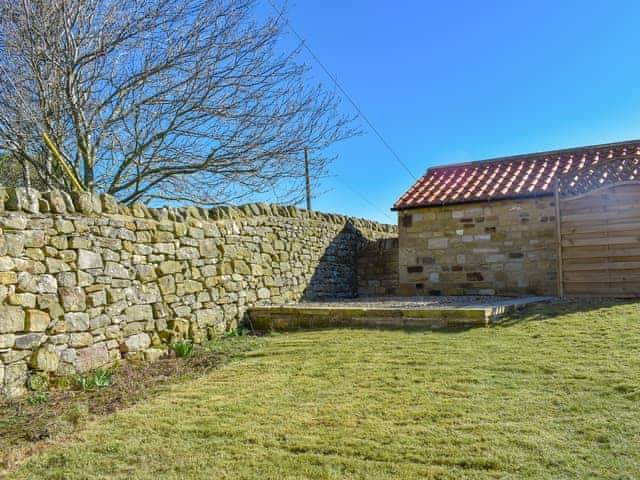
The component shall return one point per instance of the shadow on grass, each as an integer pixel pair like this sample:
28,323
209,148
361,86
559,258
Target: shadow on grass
550,310
377,328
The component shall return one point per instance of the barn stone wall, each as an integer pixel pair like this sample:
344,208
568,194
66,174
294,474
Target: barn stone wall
85,281
505,247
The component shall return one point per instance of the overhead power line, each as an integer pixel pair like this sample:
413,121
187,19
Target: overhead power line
365,199
346,94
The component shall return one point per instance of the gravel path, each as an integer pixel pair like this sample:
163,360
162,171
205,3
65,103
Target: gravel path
420,303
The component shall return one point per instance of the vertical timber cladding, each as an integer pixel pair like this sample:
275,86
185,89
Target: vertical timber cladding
601,242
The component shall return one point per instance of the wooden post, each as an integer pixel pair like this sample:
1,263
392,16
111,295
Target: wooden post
307,177
559,239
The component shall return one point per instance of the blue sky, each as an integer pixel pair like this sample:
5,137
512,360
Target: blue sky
455,81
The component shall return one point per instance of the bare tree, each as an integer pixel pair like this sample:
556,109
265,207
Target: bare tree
179,100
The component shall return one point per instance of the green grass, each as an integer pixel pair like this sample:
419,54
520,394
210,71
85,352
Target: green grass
543,395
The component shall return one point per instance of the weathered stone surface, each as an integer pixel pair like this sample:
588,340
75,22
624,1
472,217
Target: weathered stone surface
81,339
7,264
14,221
77,321
36,321
167,285
7,340
169,267
15,379
137,313
93,357
23,199
56,200
115,270
29,341
30,283
88,260
97,299
154,354
11,319
136,343
8,278
145,273
56,266
73,299
45,359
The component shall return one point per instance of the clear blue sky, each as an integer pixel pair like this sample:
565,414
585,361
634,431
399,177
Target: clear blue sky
453,81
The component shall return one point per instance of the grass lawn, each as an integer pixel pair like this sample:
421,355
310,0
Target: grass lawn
551,393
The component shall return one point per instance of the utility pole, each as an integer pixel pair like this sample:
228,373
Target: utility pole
307,177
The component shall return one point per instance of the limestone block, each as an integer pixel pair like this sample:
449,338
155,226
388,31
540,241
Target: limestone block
438,243
170,266
78,340
56,201
85,279
92,357
7,264
136,343
77,321
30,283
12,319
24,300
85,203
109,204
241,267
187,253
191,286
8,278
15,379
96,299
24,199
36,321
80,243
45,359
33,238
67,279
152,355
145,273
64,226
137,313
116,270
73,299
29,341
7,340
101,321
14,221
14,244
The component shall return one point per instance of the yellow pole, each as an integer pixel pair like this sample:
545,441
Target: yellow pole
65,167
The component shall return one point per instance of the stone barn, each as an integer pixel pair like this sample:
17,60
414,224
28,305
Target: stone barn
565,222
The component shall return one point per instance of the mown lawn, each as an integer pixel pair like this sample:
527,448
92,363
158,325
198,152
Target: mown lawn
552,393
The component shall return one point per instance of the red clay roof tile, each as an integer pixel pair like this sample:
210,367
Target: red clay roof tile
504,178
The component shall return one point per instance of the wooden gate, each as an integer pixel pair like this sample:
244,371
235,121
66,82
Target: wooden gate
600,241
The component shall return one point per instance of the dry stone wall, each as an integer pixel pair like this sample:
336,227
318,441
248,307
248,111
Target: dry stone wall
85,281
378,268
505,247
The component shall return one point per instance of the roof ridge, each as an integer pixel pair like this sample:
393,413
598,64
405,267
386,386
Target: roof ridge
534,154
